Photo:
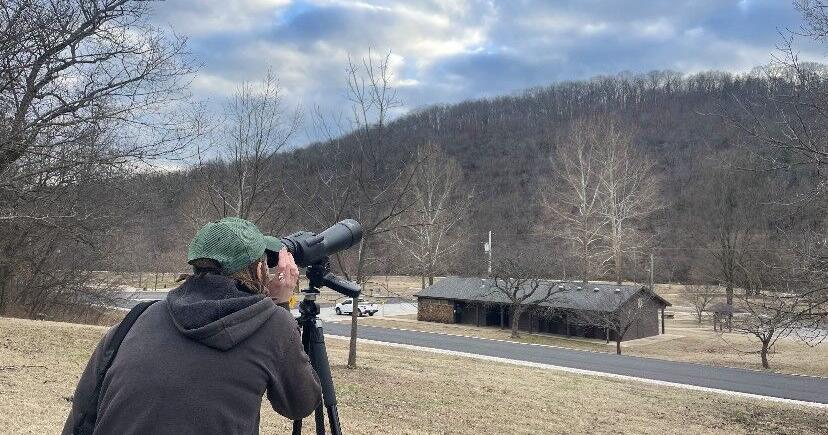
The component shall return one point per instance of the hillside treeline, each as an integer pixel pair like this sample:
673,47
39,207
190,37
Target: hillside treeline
693,128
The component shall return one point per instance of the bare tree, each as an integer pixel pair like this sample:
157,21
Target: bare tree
256,125
789,122
88,90
572,196
628,191
700,297
361,175
519,280
787,300
602,191
728,216
615,314
773,316
426,231
71,68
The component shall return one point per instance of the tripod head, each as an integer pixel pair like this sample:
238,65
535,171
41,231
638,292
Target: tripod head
319,275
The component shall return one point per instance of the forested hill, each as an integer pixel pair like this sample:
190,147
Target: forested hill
503,146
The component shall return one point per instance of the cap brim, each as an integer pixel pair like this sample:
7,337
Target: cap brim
272,244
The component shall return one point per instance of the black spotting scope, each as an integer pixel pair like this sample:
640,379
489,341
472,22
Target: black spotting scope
312,250
309,248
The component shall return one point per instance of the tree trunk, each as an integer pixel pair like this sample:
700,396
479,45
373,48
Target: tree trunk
585,263
352,346
4,279
617,260
764,354
516,312
729,297
618,344
422,281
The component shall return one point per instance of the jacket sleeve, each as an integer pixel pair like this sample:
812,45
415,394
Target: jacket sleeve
293,386
87,383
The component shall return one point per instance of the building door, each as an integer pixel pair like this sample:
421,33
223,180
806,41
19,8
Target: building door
458,312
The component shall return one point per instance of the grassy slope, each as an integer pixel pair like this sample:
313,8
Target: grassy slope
403,391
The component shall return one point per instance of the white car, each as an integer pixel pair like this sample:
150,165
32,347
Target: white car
363,306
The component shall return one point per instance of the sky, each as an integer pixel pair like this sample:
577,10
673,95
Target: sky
449,51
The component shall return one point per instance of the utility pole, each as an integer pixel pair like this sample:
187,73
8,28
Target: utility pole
487,247
651,272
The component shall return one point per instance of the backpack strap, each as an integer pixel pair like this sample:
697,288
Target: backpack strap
85,425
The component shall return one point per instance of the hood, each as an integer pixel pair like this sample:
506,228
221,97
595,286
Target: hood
214,311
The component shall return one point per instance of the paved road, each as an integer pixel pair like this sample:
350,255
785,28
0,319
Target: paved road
802,388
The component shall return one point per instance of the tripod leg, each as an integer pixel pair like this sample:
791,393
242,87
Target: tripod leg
306,340
319,417
319,360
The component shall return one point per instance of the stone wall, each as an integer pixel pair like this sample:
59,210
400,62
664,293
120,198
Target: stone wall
435,310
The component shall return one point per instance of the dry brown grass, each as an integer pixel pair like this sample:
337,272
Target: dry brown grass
80,314
403,391
699,344
690,343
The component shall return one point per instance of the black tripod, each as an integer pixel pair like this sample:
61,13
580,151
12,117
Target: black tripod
313,340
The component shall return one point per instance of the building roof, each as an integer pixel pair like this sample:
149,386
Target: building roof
576,295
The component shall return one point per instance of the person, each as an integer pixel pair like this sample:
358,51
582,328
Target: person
200,361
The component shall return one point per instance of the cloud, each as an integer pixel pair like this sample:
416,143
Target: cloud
210,16
445,51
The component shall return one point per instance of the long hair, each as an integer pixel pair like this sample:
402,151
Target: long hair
248,277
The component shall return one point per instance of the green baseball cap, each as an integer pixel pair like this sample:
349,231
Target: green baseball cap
232,242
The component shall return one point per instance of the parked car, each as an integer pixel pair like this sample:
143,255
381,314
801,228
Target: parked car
363,306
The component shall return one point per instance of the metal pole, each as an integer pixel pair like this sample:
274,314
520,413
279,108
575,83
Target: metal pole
490,253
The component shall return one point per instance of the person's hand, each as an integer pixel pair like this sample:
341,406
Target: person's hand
283,279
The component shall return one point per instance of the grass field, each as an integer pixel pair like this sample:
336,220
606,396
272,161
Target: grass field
685,341
403,391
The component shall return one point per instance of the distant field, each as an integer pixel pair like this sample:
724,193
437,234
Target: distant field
402,391
139,281
685,341
380,286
